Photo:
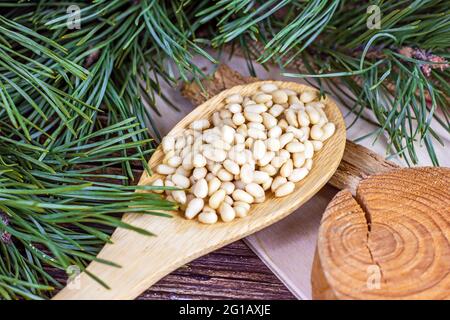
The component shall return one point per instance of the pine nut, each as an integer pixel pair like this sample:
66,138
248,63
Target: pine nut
217,198
193,208
207,217
298,174
200,188
241,195
227,213
285,189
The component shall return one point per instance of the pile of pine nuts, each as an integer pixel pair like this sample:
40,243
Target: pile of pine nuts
224,164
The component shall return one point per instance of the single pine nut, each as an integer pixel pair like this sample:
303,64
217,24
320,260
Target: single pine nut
317,145
200,124
181,181
268,88
298,174
260,177
269,120
328,130
278,181
286,138
224,175
269,169
279,96
228,134
168,144
200,188
275,132
214,154
256,134
255,108
254,117
165,169
294,147
228,200
307,96
238,119
303,118
298,159
231,166
314,116
199,161
285,189
213,185
291,117
241,195
273,144
276,110
234,108
267,158
174,161
228,186
259,149
309,164
316,132
309,149
187,162
179,196
256,125
207,217
240,211
217,198
234,98
286,168
255,190
298,133
283,124
262,98
266,185
227,213
193,208
294,100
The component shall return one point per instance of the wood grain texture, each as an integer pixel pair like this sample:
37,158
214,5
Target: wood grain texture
232,272
391,241
145,260
357,163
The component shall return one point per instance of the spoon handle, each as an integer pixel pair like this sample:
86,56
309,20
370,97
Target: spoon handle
142,262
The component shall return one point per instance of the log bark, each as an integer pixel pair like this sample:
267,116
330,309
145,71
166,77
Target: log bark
390,241
358,162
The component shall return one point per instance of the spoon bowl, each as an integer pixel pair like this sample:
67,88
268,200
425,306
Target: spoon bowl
144,260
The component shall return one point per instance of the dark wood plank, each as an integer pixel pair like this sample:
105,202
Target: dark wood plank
232,272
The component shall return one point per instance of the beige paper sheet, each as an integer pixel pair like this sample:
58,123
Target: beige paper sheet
288,246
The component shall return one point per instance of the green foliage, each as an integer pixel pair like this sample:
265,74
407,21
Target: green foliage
73,120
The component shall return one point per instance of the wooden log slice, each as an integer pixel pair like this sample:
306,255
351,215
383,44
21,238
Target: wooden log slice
390,241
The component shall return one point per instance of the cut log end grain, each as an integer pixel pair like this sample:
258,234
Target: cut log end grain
390,241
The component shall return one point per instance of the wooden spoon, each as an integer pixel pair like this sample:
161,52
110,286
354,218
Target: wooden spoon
144,260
